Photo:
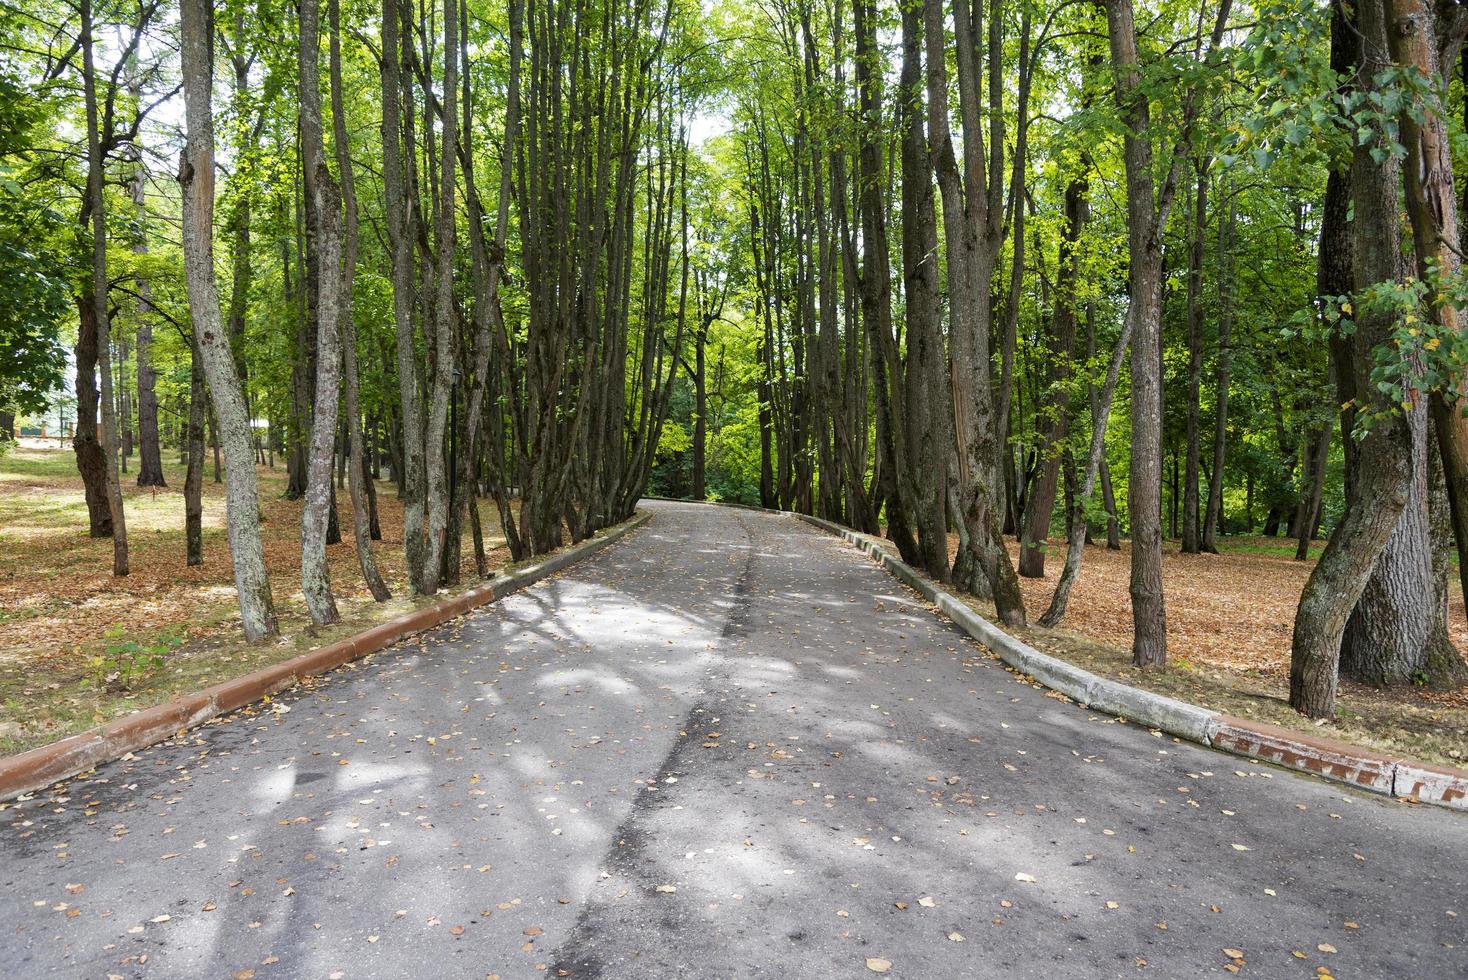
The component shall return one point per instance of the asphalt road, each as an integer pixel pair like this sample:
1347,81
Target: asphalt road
727,746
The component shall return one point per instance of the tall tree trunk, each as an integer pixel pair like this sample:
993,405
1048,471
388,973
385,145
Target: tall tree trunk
323,238
1144,313
1191,536
196,175
96,208
194,440
1213,515
876,293
1035,542
150,453
444,367
926,390
90,460
1384,455
1308,517
410,470
359,484
1432,206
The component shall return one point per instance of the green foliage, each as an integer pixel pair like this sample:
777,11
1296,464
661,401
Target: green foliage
127,662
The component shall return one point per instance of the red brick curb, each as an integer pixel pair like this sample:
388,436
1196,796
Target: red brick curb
40,767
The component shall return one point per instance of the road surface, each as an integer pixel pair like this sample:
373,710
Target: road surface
727,746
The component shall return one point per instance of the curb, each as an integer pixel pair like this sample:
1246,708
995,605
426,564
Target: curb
40,767
1375,772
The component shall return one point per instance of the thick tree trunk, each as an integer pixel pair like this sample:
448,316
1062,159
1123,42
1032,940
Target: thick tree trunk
444,366
926,391
90,460
1432,205
96,211
196,175
1397,633
1149,642
1383,465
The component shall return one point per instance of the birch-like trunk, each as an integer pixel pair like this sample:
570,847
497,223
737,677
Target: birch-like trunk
196,175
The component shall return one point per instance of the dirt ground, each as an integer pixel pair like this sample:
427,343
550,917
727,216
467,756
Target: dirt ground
60,606
1229,621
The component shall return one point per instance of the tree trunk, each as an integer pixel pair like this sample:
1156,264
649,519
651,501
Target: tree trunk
96,208
194,440
1384,455
323,242
1034,543
700,415
360,485
1432,206
926,387
1191,536
196,175
150,453
1397,633
1309,515
1213,517
876,293
90,460
410,469
1149,643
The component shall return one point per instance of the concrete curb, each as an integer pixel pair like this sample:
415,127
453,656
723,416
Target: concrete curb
40,767
1361,768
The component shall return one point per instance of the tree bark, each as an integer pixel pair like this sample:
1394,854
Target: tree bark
1035,540
196,175
1191,535
926,389
194,440
359,484
97,212
150,453
323,242
90,460
1432,206
1213,516
1384,454
410,469
876,293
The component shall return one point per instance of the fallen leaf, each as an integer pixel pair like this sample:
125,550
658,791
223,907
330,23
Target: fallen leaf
669,889
1326,948
1233,954
1241,847
928,902
1021,876
956,937
878,965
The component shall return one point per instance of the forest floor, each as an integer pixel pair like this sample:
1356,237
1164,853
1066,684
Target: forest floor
68,624
1229,621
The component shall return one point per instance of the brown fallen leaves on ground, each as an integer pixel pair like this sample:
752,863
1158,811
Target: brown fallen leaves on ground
1229,623
59,600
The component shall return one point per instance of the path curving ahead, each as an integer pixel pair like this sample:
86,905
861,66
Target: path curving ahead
727,746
